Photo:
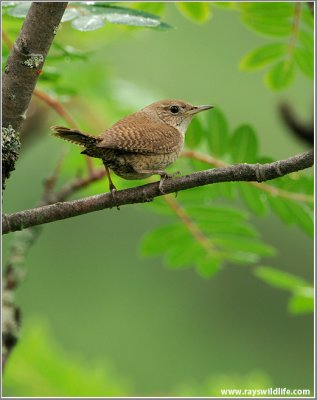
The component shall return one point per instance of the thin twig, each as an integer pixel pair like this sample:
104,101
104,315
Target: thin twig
78,183
57,107
61,110
6,40
146,193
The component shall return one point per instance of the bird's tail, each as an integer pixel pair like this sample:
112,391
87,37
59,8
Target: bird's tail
75,136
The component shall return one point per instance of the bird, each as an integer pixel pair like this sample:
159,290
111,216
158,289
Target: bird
141,144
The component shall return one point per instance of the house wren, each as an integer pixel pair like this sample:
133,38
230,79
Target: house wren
141,144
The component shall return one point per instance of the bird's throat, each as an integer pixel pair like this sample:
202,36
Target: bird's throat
182,127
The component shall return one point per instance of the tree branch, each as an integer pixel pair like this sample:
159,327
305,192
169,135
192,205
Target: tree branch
146,193
21,73
273,190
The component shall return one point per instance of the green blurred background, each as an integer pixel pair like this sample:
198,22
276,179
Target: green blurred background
150,330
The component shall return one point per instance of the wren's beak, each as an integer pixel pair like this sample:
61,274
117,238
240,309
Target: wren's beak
198,109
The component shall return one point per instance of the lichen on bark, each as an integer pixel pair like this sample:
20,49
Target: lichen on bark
10,151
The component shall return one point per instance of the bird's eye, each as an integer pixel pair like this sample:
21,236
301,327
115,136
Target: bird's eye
174,109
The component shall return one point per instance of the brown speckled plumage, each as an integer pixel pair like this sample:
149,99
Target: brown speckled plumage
141,144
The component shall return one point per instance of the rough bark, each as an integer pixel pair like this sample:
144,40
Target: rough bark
21,73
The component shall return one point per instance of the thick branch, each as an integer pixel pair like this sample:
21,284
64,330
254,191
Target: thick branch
145,193
22,71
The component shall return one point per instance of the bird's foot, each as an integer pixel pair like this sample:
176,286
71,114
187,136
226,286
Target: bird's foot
113,191
166,176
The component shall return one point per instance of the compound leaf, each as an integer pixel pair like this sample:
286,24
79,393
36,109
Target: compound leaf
262,56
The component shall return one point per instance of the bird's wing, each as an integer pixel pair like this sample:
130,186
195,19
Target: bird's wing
138,136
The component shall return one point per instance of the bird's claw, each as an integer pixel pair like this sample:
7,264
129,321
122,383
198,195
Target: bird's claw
113,192
161,184
167,176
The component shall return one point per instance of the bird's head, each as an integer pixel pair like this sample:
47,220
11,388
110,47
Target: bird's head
175,113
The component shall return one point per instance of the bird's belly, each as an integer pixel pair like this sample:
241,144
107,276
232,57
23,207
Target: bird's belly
127,165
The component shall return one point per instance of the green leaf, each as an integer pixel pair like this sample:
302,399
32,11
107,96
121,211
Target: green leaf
267,10
254,198
40,367
198,12
302,302
303,216
126,16
149,7
262,56
161,238
292,212
228,228
224,4
308,18
246,245
184,256
132,20
305,61
268,26
265,160
272,19
301,184
281,208
208,266
217,214
50,74
217,133
280,279
227,190
194,134
88,23
244,145
242,257
280,75
68,53
306,40
200,195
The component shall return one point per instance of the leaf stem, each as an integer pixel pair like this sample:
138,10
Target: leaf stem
192,227
295,29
